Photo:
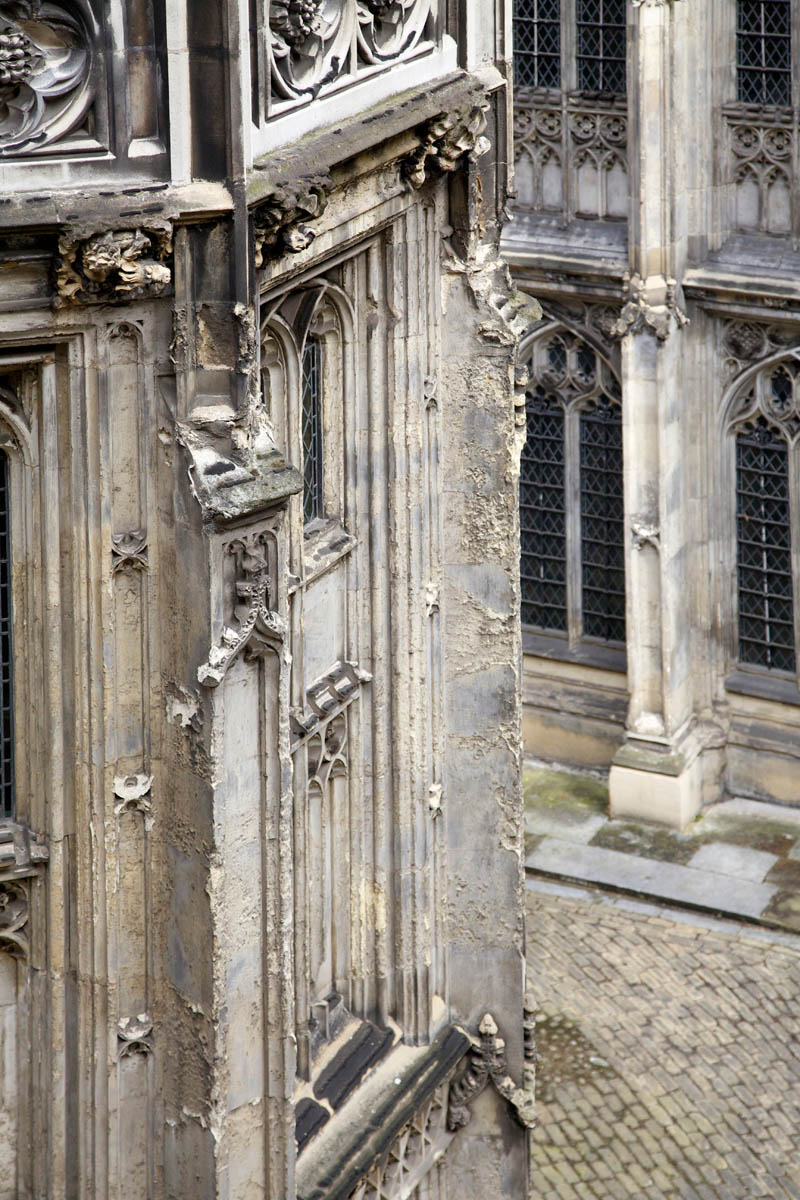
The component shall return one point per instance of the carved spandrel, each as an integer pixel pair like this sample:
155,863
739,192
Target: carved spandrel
14,918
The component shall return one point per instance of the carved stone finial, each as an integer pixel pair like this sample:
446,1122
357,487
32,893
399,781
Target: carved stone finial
256,626
125,264
640,312
446,139
487,1063
280,221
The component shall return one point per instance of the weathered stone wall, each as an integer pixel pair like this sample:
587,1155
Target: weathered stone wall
265,854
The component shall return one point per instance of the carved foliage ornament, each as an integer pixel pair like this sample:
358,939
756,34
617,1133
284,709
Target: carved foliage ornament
281,220
655,310
14,918
127,264
45,74
255,625
312,43
446,139
487,1063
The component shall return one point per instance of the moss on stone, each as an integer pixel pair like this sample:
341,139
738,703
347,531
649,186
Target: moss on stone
576,796
646,841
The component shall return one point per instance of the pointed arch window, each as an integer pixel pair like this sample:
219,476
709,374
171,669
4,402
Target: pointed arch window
765,427
571,503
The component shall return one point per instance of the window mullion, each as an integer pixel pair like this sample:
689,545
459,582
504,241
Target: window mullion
794,543
572,486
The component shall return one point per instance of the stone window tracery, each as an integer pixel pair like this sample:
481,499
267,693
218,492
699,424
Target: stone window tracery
571,506
764,423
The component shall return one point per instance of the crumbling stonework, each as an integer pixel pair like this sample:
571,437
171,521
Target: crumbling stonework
260,860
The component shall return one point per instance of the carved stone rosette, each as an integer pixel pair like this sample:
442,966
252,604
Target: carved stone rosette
127,264
45,74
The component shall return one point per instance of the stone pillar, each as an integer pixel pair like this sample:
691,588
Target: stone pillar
656,774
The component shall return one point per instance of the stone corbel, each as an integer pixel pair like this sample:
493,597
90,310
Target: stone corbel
650,304
445,140
487,1063
281,221
256,627
115,265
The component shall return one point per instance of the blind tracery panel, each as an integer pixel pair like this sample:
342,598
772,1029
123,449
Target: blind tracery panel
313,502
763,52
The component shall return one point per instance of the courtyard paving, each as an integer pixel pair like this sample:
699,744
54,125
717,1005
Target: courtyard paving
668,1051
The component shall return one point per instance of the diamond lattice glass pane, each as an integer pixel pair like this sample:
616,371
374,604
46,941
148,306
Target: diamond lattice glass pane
543,541
312,429
601,37
537,43
602,550
6,649
764,561
763,52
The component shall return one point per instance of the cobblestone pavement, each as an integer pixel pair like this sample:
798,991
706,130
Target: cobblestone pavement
669,1052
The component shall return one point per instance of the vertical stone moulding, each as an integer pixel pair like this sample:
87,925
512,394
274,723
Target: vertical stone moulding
128,759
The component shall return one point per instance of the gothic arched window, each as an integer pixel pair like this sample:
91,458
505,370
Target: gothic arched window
571,504
764,52
765,424
570,43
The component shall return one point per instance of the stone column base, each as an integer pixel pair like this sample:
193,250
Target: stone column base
653,783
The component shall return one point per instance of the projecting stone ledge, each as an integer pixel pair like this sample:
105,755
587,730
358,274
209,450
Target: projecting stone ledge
395,1120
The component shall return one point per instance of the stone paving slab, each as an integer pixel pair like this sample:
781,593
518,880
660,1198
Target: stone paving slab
682,885
743,855
668,1052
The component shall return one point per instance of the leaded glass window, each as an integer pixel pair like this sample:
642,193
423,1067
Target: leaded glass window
543,530
763,52
764,556
6,648
572,562
602,545
537,43
601,45
312,430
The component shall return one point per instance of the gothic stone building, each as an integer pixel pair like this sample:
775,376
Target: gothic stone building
260,846
657,217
